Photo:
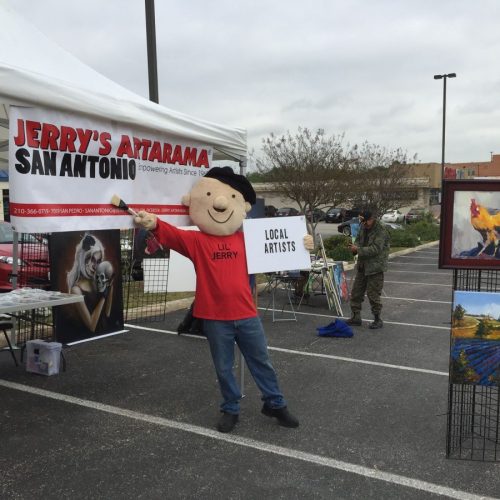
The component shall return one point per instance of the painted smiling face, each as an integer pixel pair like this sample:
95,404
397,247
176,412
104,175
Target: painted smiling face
215,207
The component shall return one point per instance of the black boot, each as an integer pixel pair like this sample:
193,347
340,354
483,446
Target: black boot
355,319
376,323
227,422
285,418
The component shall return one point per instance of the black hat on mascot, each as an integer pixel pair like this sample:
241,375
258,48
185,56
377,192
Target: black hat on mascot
236,181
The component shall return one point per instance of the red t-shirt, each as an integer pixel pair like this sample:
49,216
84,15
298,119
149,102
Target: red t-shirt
222,286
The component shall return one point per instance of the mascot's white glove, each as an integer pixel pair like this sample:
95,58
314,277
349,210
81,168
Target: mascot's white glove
308,242
146,220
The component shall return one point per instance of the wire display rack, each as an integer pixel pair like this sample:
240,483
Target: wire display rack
473,427
144,276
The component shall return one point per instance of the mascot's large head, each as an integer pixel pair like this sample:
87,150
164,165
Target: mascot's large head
219,202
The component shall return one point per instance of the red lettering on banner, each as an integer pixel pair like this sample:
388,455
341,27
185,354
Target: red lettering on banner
68,138
32,129
146,143
203,159
167,152
137,147
104,139
80,209
20,138
155,153
50,134
177,156
84,137
125,148
190,156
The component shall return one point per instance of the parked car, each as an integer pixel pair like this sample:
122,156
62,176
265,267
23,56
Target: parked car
414,215
349,213
286,212
392,225
270,211
393,216
33,260
345,227
316,216
334,215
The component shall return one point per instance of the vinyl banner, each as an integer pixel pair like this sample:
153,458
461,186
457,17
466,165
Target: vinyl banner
64,169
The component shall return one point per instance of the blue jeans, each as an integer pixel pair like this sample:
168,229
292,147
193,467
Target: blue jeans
249,336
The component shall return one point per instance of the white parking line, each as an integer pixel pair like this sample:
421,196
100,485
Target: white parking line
317,355
413,283
320,460
393,263
414,257
436,272
419,300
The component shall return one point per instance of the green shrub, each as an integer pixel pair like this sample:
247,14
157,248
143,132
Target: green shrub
336,241
425,230
340,253
336,247
403,238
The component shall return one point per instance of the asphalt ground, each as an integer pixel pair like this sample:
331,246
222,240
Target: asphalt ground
133,415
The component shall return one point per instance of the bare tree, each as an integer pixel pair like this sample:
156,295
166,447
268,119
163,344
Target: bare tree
308,167
379,177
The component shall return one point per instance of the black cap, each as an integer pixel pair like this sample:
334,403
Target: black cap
236,181
366,214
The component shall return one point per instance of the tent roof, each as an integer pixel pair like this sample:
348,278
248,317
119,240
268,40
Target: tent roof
35,71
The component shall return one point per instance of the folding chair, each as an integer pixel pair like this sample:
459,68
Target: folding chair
283,282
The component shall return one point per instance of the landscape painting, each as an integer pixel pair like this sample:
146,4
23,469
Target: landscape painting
470,224
475,338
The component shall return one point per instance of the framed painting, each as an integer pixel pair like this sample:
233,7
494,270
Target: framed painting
475,338
470,224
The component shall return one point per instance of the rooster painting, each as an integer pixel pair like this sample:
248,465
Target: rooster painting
487,222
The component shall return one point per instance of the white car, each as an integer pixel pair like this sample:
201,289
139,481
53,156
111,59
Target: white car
393,216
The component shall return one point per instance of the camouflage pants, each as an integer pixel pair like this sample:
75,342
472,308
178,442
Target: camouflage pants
372,285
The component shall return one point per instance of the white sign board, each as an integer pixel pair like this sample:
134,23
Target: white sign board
180,277
64,169
276,244
181,273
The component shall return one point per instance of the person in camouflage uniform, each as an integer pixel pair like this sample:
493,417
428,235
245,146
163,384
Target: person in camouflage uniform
372,249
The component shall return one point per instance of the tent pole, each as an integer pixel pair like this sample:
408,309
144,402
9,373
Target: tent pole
151,44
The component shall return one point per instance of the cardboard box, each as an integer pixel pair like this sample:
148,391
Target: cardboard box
43,357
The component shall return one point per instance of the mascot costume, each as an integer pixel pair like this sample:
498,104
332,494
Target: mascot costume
218,203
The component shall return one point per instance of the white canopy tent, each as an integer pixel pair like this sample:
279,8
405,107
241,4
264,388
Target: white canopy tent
34,71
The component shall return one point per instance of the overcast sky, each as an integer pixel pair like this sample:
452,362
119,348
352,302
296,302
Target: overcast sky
362,67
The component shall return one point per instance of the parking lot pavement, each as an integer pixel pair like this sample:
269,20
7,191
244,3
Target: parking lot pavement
133,416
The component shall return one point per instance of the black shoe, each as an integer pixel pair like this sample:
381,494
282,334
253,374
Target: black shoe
227,422
354,321
285,418
376,323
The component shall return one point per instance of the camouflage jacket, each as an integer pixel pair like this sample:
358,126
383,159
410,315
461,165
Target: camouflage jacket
373,249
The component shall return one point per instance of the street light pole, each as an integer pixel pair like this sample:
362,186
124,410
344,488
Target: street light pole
151,46
444,78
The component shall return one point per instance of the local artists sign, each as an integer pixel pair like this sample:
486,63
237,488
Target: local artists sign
64,168
276,244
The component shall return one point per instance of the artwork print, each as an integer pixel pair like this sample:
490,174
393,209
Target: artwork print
475,338
476,225
340,280
87,263
470,225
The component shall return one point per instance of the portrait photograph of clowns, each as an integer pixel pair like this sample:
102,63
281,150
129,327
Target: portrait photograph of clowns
87,263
